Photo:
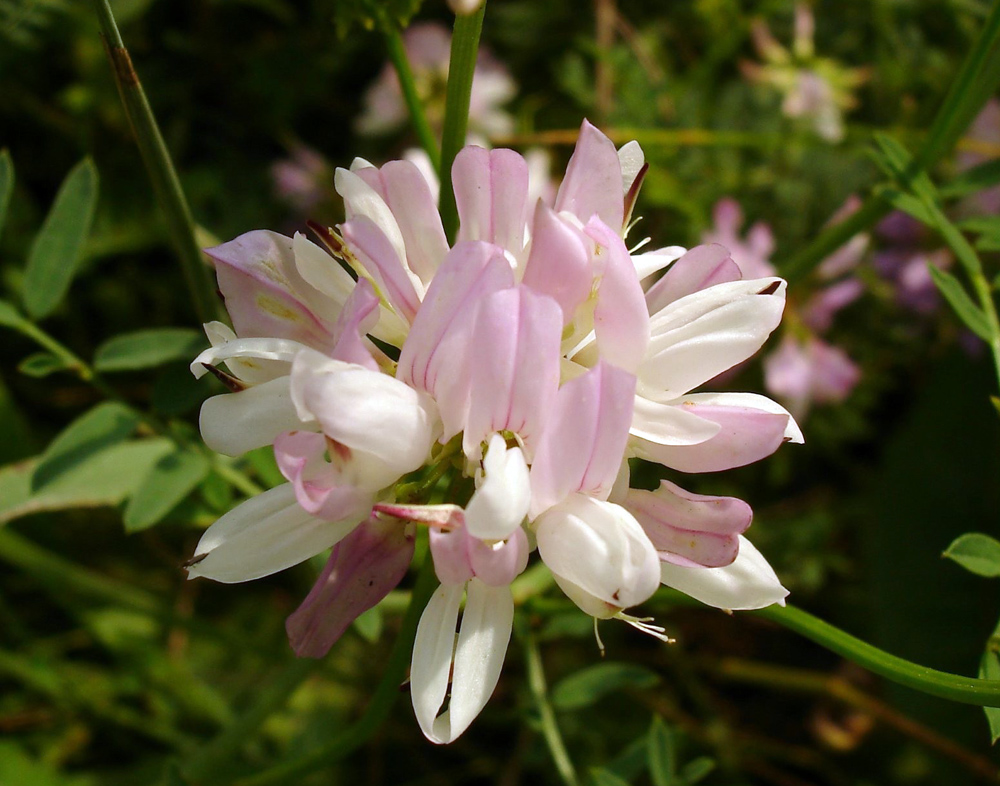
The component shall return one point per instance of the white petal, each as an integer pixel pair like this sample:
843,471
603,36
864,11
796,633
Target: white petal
246,355
500,503
482,646
234,423
433,649
631,158
666,424
752,400
653,261
360,199
322,271
749,583
267,533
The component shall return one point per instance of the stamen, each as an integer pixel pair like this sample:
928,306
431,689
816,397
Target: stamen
644,625
597,635
640,244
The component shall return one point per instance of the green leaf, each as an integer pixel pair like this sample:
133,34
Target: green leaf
601,777
972,180
989,669
697,770
369,624
12,318
106,479
6,184
171,479
217,493
970,314
54,255
977,553
591,684
896,162
106,424
147,349
662,756
41,364
908,204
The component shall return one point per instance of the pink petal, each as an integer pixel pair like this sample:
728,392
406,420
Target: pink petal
443,517
690,529
498,565
320,488
434,357
491,192
450,550
701,267
378,256
593,182
559,262
746,435
584,440
621,320
362,569
265,294
359,316
513,367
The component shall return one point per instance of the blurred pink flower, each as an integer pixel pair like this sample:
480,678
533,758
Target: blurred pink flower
752,252
303,179
983,136
802,373
428,46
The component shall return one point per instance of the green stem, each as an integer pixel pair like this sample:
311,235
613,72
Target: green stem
539,692
207,762
159,167
967,690
397,55
381,703
966,96
462,66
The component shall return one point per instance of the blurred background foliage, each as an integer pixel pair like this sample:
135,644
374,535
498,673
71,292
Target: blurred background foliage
114,670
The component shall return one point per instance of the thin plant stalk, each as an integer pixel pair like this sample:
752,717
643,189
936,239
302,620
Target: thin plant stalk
159,167
401,63
461,67
539,693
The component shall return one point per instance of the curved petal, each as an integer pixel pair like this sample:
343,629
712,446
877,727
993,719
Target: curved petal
593,182
265,294
705,333
599,548
253,360
362,569
559,261
373,250
690,529
513,367
632,160
654,261
265,534
491,193
749,401
700,268
749,583
584,441
363,201
621,322
433,651
498,564
433,359
322,271
669,424
500,504
358,317
234,423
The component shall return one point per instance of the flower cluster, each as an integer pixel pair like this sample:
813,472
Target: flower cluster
524,361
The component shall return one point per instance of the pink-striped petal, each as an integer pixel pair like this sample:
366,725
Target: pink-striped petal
361,571
584,440
559,261
358,318
593,182
377,255
621,321
491,193
690,529
513,367
701,267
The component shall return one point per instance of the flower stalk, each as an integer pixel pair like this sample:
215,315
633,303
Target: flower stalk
464,50
408,85
159,167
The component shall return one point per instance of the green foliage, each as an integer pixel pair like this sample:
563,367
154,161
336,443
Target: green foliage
589,685
370,14
6,184
42,364
57,249
970,314
170,480
147,349
977,553
662,754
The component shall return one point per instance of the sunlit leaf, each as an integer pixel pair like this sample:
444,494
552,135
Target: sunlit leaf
106,424
148,349
953,291
697,770
54,255
41,364
591,684
171,479
977,553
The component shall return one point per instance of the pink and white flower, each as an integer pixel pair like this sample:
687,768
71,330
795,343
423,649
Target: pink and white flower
531,361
